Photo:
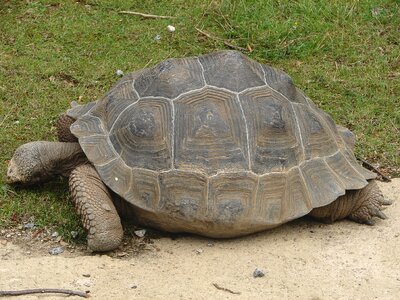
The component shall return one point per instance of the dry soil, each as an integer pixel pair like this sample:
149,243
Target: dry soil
301,260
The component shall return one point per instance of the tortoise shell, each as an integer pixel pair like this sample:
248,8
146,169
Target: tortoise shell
218,145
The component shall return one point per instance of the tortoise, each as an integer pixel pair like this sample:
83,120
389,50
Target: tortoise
217,145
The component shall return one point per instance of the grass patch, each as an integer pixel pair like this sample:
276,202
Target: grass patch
343,54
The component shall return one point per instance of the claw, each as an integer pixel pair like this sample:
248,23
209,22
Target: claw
370,222
381,215
385,202
377,213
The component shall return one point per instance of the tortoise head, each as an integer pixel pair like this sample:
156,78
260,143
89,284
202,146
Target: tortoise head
40,161
25,167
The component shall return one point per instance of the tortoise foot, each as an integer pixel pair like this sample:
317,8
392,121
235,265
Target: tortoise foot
97,211
371,204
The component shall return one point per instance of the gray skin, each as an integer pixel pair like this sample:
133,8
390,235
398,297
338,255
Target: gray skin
40,161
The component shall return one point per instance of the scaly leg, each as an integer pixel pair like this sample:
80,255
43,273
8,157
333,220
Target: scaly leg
62,126
96,208
358,205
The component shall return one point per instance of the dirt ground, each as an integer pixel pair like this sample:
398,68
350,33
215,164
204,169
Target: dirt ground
301,260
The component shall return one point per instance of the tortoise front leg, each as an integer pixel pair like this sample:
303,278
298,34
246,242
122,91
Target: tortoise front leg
96,208
360,206
63,124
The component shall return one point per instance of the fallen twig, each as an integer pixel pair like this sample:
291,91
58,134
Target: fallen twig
372,168
148,63
42,291
208,35
225,289
37,232
127,12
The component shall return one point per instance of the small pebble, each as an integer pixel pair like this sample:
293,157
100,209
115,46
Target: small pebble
122,254
119,73
170,28
83,282
86,275
133,286
56,250
74,234
210,244
29,225
258,273
199,251
54,234
157,38
140,233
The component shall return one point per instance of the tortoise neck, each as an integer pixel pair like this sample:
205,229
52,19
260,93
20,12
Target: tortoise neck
59,158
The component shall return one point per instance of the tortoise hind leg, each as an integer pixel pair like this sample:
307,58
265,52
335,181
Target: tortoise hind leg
62,126
360,206
93,202
369,204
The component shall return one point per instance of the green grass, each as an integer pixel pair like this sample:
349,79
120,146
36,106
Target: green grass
344,54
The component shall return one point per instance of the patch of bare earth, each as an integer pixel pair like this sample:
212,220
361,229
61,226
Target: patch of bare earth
301,260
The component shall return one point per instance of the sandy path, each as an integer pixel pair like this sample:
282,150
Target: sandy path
301,260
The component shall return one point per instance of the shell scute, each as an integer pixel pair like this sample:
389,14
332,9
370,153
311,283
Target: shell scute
184,195
273,137
348,175
144,190
98,147
209,132
119,175
231,70
317,139
141,134
282,197
323,185
232,196
170,78
283,83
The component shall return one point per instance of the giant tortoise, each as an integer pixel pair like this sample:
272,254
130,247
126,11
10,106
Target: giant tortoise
217,145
